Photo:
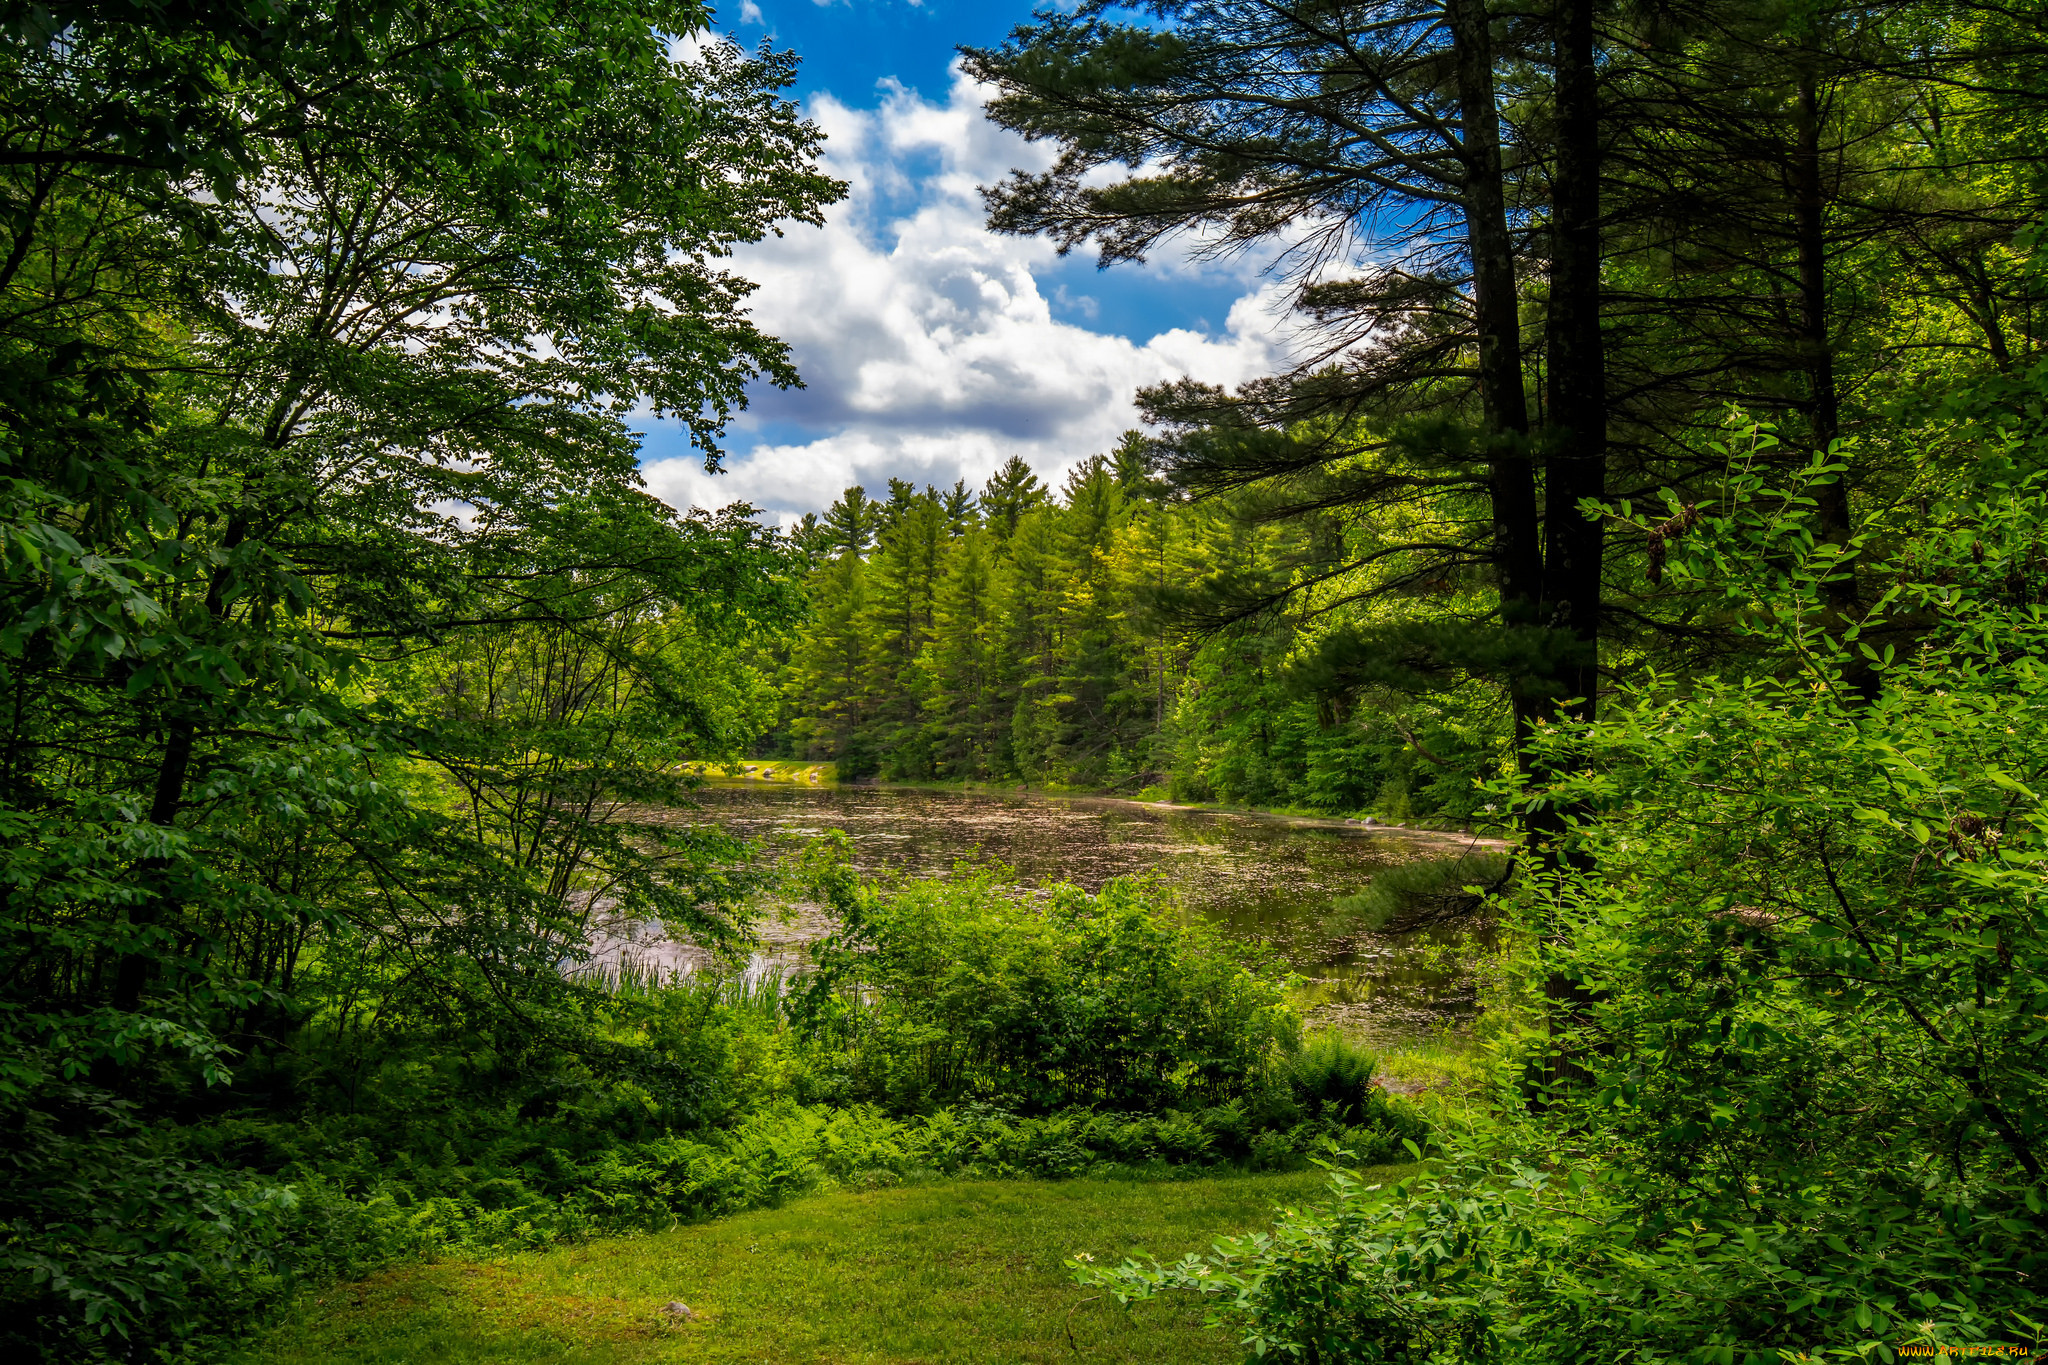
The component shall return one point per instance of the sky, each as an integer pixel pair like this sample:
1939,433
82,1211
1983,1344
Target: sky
932,349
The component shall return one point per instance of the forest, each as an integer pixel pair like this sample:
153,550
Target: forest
1070,639
1658,485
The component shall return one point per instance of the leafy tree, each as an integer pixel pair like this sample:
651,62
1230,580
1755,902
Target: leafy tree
320,331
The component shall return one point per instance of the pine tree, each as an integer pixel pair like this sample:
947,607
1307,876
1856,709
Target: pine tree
830,668
1028,593
903,495
902,581
812,540
1011,492
961,511
851,522
967,703
1091,671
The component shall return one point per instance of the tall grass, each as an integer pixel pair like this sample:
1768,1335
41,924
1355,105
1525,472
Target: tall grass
757,990
1431,891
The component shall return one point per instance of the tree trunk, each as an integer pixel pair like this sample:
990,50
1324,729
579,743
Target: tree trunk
1517,543
131,976
1576,444
1575,456
1824,412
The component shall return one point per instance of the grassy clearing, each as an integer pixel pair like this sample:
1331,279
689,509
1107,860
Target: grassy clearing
772,770
1456,1065
959,1271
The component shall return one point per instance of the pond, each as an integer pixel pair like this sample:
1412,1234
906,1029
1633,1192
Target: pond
1265,879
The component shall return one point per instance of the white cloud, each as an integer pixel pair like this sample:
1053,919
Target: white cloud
928,348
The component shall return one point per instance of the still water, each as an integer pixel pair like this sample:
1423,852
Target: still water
1264,879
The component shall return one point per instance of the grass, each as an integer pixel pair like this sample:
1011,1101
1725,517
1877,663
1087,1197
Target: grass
948,1272
787,772
1452,1060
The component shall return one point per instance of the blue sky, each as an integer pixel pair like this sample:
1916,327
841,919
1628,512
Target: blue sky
932,349
851,47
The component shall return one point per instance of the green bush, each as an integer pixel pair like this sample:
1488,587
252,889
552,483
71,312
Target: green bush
1779,1095
942,992
1332,1075
1511,1251
1424,892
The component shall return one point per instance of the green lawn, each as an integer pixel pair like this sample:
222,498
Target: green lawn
964,1271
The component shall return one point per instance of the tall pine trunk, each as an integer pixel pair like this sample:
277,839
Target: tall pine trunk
1517,542
1576,445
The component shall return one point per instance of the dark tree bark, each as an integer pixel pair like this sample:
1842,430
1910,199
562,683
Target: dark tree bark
1575,439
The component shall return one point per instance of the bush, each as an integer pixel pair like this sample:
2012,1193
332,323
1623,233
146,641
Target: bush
1425,892
1502,1254
112,1246
944,992
1332,1075
1786,1098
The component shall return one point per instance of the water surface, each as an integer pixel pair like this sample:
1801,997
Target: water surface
1263,879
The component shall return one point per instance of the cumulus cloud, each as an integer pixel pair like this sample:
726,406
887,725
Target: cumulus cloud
928,347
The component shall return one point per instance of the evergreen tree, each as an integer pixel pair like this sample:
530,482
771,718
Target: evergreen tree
1028,593
829,667
961,510
1010,492
902,582
968,703
812,539
852,522
1091,668
1134,462
902,496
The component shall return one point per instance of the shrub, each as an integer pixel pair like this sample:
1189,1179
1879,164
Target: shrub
1427,891
940,992
1332,1075
1788,1100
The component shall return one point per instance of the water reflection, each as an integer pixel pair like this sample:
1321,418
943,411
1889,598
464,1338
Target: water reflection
1267,880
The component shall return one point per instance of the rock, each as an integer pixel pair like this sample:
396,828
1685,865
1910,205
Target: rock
678,1310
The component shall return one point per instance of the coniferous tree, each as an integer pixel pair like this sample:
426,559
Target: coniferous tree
1369,129
852,522
830,666
902,578
1011,491
968,703
961,510
1091,666
1028,593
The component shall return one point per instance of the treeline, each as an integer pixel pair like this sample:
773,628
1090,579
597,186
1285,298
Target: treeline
1040,636
1538,260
